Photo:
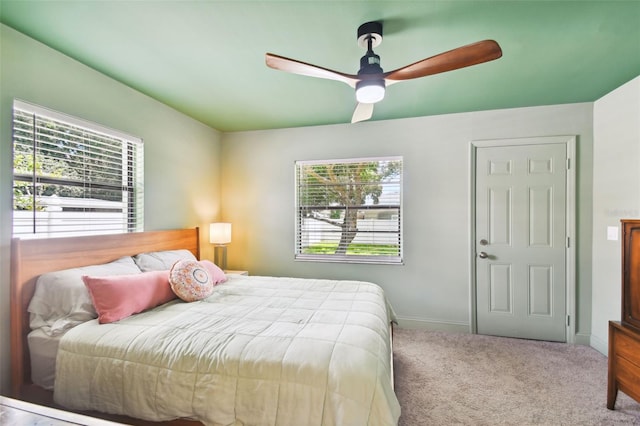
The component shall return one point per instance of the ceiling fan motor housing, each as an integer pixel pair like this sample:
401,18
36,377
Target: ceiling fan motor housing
370,64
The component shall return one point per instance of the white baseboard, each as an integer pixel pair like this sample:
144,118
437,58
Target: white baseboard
459,327
433,325
599,345
583,339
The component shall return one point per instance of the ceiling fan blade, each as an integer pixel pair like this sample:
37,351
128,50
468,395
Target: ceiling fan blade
471,54
302,68
362,112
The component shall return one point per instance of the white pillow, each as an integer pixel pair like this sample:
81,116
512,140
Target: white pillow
61,300
161,260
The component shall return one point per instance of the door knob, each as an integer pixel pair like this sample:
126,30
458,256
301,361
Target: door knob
483,255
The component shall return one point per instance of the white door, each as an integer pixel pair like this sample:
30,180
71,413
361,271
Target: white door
521,238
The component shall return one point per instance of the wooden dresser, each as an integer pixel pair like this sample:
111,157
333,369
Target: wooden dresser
624,336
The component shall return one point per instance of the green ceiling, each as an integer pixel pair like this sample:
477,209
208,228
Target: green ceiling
206,58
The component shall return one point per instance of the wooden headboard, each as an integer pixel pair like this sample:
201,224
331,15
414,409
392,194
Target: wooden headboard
31,258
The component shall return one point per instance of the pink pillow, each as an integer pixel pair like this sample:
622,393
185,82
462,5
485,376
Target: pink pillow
119,296
217,275
190,280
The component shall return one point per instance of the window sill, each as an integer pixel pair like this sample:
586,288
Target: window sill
350,259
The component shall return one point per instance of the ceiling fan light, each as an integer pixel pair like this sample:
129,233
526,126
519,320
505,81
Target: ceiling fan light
370,92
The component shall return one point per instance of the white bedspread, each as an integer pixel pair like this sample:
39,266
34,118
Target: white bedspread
259,351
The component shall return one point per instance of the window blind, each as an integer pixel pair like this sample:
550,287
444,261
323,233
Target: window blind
349,210
72,177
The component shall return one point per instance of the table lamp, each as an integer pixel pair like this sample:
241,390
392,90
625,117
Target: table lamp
220,236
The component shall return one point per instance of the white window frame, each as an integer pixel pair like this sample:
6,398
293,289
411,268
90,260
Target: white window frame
75,216
391,230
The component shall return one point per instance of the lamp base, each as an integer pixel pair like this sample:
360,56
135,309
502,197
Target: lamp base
220,256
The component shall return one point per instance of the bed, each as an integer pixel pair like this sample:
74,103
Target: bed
259,350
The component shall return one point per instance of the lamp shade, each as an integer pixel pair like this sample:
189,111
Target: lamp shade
220,233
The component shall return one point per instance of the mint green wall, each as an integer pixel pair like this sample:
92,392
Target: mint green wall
182,178
616,195
432,288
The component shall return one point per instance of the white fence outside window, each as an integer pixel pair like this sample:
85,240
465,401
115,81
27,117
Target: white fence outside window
324,232
70,217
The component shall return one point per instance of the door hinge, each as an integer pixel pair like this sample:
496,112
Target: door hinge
568,163
568,242
568,321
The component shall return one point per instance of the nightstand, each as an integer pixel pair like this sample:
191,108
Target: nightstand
232,272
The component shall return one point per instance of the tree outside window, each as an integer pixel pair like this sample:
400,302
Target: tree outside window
349,210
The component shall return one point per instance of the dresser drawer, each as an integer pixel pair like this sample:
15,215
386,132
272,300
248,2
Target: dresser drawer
627,347
628,377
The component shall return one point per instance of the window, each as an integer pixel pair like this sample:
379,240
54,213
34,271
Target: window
72,177
349,210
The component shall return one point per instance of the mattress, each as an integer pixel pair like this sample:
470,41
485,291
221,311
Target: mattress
43,350
260,351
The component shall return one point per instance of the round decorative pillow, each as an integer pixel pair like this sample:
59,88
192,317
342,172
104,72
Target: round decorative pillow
190,280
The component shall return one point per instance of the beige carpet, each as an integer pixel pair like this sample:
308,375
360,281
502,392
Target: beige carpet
465,379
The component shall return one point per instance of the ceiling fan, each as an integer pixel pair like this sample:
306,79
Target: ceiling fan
370,82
